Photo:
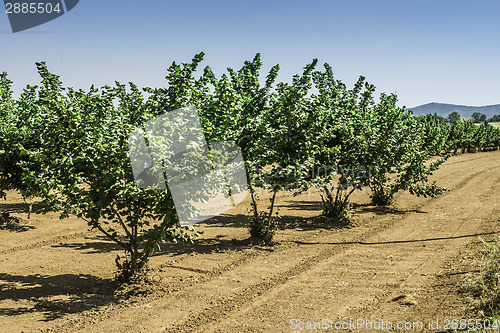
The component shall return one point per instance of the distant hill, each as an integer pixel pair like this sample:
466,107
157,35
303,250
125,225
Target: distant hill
465,111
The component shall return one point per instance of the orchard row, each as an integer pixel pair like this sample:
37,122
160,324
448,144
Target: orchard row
70,147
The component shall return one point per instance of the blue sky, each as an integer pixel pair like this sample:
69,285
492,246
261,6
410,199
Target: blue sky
425,51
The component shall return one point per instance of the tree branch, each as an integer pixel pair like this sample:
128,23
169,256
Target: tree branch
116,240
129,235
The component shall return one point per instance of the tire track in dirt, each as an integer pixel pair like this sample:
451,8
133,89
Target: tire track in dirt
211,314
206,314
252,292
39,244
373,275
426,302
182,294
460,158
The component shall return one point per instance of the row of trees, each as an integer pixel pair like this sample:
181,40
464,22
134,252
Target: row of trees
462,135
70,147
476,117
495,118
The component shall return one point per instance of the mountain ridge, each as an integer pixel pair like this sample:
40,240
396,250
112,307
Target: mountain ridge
465,111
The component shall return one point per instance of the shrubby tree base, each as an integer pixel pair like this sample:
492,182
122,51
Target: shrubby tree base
262,226
132,269
338,206
262,229
382,196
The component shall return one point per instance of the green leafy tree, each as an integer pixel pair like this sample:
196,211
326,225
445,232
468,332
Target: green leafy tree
478,117
435,133
85,171
7,106
400,158
453,117
346,146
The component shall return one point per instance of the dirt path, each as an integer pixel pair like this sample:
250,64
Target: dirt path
392,267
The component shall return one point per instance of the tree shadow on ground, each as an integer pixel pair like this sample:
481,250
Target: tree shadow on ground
227,220
21,207
318,221
313,223
12,223
96,244
101,244
55,296
301,205
210,245
382,210
284,221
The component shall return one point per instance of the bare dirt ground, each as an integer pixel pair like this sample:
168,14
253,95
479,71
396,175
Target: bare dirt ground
397,265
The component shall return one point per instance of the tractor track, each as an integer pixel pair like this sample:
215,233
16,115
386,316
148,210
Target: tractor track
197,305
325,250
40,244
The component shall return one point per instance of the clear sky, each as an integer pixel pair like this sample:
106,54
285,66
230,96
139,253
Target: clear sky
425,51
